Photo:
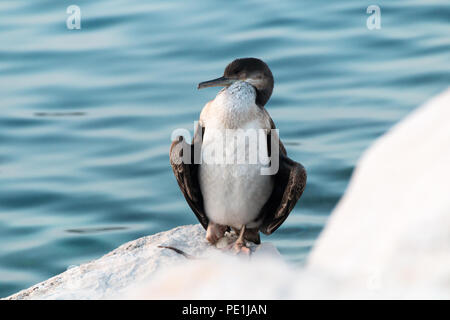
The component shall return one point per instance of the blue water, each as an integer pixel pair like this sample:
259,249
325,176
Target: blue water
86,115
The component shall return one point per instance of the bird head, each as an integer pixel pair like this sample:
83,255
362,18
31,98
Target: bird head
251,70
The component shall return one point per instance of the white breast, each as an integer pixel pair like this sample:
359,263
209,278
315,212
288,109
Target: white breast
233,193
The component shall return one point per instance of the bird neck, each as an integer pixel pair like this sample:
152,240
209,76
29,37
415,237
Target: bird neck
235,105
238,97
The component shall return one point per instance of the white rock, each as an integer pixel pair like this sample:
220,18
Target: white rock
391,230
112,276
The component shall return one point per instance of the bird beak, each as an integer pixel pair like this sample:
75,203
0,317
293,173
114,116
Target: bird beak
219,82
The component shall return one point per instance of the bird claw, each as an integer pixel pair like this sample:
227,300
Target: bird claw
244,250
239,248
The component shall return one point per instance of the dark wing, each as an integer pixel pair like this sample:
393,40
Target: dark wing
186,173
289,183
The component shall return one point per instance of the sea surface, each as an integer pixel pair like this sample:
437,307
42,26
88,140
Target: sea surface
86,115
